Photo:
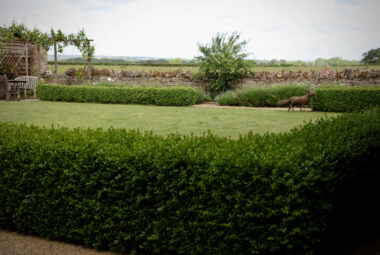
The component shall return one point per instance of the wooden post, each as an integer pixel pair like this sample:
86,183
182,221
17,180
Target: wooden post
7,95
88,60
39,63
55,61
26,59
18,91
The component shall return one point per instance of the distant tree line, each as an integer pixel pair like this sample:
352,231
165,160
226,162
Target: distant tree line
336,61
372,57
369,57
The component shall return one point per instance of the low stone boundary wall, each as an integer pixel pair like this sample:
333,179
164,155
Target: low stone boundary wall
129,74
65,79
174,77
347,76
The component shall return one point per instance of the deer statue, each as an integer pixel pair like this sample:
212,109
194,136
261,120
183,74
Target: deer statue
302,100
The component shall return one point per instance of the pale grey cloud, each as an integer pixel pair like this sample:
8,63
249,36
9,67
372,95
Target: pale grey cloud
282,29
349,2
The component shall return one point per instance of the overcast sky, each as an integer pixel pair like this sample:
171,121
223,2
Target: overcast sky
281,29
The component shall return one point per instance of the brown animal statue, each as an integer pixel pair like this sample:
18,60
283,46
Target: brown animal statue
298,100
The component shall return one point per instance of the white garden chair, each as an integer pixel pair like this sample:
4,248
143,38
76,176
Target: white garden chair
30,84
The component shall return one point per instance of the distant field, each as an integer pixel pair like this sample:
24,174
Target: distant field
62,68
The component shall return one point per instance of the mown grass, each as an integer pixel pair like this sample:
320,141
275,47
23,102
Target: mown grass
63,68
230,122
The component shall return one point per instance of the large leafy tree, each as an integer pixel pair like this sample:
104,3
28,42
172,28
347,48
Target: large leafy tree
223,63
371,56
336,61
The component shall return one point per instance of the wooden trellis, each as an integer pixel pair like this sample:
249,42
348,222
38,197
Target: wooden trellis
17,57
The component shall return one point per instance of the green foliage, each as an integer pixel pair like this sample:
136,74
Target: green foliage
335,61
344,99
299,63
27,35
123,84
371,56
80,41
60,38
178,96
131,192
176,61
201,96
328,99
223,63
319,62
227,98
261,96
8,70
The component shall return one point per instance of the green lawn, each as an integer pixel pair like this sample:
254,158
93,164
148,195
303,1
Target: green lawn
161,120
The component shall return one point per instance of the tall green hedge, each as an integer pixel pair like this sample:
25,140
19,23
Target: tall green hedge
294,193
261,96
344,99
176,96
328,98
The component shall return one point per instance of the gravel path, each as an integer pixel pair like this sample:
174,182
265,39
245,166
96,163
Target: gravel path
12,243
213,104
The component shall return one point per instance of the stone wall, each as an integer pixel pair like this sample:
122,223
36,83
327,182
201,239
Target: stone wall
65,79
34,60
347,76
174,77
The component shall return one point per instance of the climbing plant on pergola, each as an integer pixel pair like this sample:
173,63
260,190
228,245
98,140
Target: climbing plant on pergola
57,39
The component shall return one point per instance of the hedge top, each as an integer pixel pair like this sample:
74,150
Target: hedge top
293,193
178,96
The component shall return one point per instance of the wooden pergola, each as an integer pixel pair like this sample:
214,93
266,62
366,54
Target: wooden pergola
88,59
14,54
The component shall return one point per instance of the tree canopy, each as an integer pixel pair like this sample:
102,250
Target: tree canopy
371,56
223,63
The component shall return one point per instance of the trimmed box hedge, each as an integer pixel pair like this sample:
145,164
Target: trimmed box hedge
164,96
344,99
328,98
295,193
